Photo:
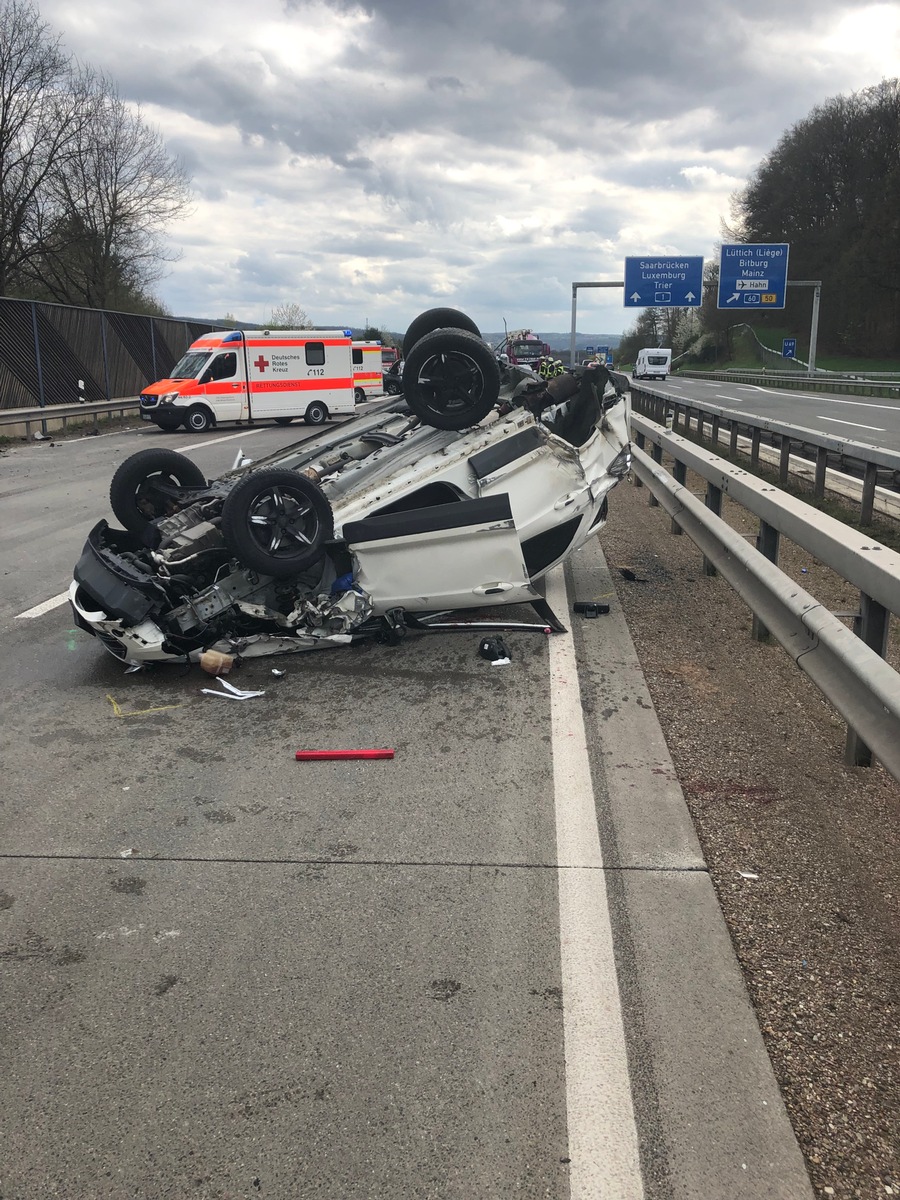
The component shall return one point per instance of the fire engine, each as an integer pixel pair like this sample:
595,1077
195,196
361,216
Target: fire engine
524,347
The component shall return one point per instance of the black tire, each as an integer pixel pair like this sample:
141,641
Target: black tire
392,386
199,419
132,493
283,420
277,522
436,318
359,395
316,413
451,379
168,426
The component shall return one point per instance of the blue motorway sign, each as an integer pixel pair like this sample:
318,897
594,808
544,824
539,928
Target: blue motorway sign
664,282
753,276
788,347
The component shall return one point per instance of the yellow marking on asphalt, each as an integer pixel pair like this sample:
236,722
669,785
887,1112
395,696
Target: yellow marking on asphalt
140,712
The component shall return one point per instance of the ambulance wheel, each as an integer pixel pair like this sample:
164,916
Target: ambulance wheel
437,318
145,486
277,522
168,426
283,420
451,379
316,413
358,395
198,419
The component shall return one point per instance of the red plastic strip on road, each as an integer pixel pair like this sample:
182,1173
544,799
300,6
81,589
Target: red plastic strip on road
317,755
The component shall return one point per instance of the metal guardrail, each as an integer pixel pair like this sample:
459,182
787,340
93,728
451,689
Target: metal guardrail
65,412
848,666
657,406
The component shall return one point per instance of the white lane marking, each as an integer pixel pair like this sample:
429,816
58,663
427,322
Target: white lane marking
817,396
730,399
40,609
603,1145
230,437
852,424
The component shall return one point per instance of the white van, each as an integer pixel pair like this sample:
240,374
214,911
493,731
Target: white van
366,370
653,363
253,375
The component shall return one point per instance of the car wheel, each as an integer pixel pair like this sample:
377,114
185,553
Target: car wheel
283,420
135,494
437,318
451,379
392,387
198,419
316,413
277,522
358,395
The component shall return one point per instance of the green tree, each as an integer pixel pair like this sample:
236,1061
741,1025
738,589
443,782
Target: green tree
289,315
831,188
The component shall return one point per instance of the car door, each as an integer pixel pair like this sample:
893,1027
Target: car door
458,555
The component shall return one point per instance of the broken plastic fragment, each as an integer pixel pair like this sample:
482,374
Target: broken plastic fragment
278,674
748,875
233,693
130,853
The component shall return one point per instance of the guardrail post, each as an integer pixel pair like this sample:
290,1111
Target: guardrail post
679,471
754,447
656,455
767,543
821,464
871,624
714,504
640,441
732,441
714,435
868,494
784,461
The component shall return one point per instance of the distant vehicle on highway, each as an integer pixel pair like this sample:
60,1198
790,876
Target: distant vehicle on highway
652,363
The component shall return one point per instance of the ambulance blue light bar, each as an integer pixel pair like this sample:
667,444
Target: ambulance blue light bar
233,337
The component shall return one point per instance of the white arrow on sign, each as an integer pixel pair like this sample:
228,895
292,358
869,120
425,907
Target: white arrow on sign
635,296
689,296
735,296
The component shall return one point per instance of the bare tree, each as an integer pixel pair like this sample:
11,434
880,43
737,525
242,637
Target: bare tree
41,111
289,315
115,194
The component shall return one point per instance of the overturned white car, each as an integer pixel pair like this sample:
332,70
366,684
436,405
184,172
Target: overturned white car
460,494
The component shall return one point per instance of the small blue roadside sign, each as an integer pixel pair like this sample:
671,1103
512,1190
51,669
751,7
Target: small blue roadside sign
589,349
788,347
753,276
609,359
664,282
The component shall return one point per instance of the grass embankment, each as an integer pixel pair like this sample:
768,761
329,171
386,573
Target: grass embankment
745,356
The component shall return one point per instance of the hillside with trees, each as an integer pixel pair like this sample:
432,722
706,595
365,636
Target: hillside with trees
831,189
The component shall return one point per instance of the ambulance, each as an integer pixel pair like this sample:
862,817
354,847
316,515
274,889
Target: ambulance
366,370
254,375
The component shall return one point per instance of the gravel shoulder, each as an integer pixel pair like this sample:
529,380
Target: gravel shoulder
801,848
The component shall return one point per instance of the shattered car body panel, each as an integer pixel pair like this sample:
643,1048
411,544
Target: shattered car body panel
336,537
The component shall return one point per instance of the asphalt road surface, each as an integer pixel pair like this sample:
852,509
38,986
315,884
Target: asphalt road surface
491,966
866,419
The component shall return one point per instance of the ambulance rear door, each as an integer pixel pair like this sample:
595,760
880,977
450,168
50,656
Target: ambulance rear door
367,378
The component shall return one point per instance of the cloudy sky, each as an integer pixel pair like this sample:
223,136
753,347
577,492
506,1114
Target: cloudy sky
368,159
